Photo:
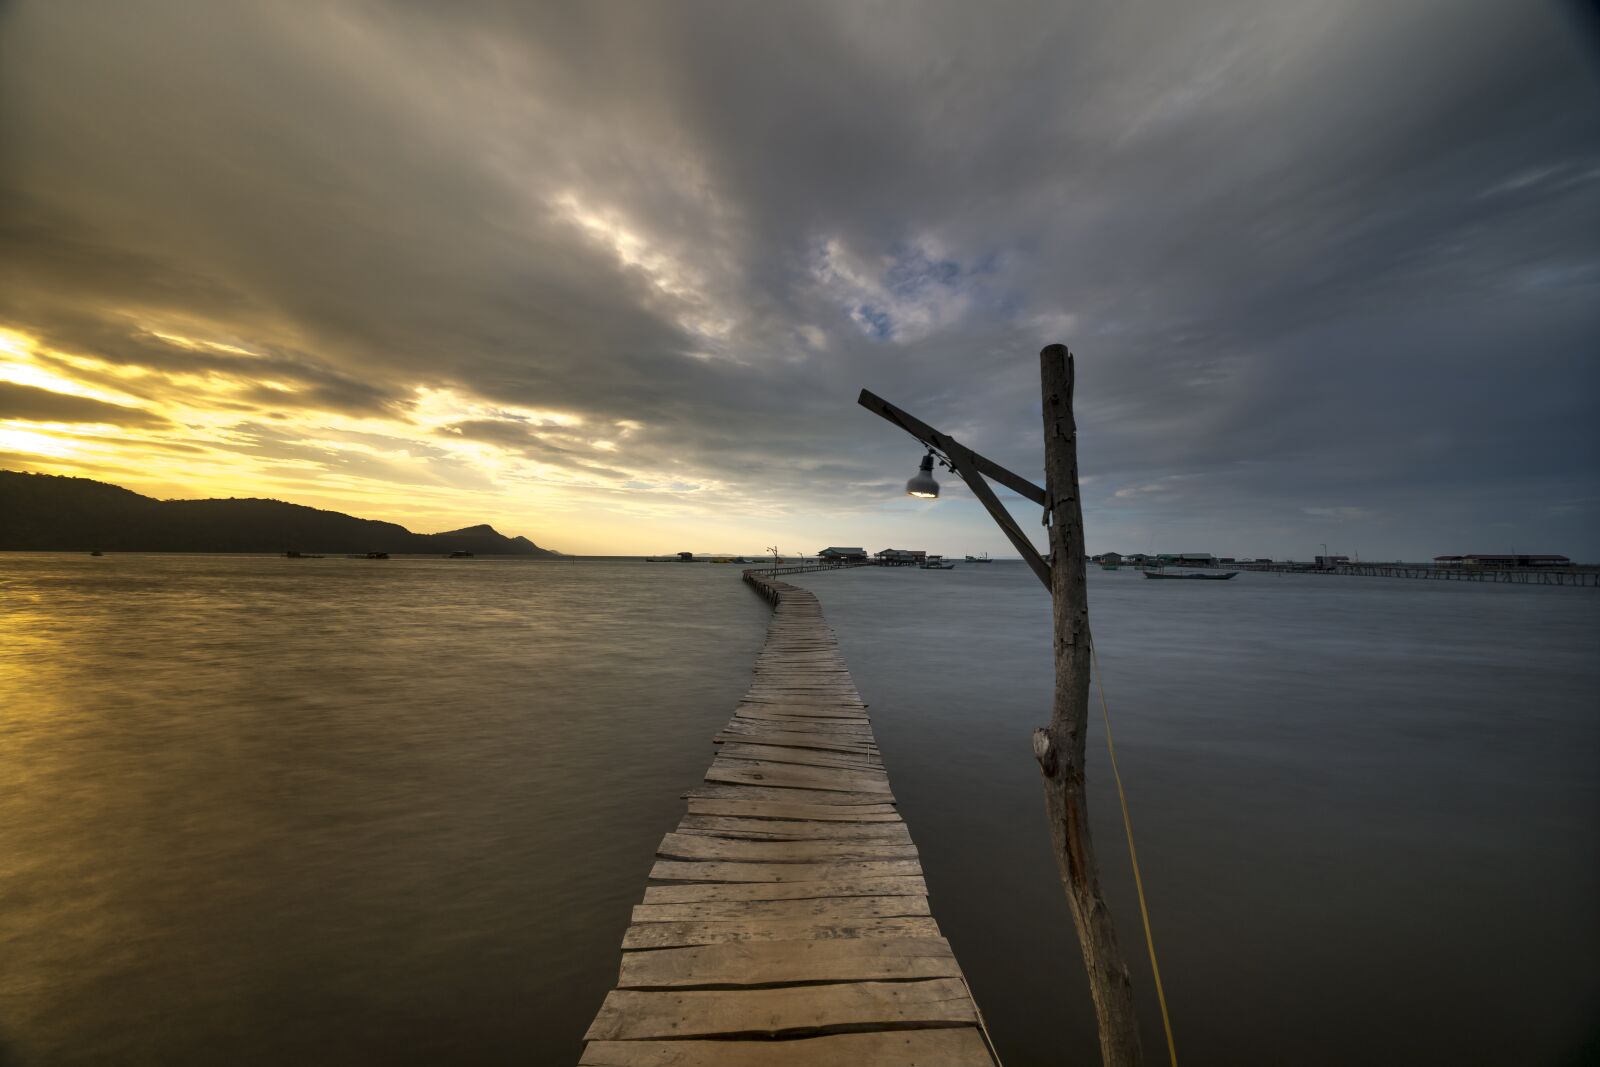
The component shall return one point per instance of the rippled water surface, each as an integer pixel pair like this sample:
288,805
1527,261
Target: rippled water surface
267,811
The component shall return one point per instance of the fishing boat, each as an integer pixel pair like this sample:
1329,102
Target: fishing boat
980,559
1220,576
936,563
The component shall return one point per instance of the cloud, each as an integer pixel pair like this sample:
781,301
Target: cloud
33,404
518,436
418,222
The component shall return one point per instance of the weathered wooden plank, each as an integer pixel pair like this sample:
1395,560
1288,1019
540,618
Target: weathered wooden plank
756,713
809,688
956,1046
740,791
755,808
654,935
858,732
826,831
793,776
750,963
845,715
814,745
814,909
697,871
832,676
826,660
736,850
832,775
794,739
761,749
848,886
823,663
819,706
793,829
797,774
636,1014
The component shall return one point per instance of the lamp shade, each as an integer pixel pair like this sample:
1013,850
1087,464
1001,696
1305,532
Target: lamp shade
922,484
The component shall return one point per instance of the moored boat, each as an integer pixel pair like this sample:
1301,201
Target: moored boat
1220,576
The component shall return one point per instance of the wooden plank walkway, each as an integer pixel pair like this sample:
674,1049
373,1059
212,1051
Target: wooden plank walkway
787,921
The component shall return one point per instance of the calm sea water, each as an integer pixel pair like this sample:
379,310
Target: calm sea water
265,811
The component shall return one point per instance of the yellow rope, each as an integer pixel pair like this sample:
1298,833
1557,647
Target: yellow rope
1138,882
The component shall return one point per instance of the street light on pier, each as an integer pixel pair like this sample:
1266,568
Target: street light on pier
922,484
1059,747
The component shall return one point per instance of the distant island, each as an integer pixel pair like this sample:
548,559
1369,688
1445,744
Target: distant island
47,513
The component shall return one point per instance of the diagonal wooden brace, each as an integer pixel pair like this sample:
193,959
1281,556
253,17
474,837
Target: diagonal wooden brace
972,467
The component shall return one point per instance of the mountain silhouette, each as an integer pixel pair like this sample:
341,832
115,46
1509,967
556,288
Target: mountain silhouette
45,513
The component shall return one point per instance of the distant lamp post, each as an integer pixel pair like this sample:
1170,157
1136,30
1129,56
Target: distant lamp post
922,484
1059,747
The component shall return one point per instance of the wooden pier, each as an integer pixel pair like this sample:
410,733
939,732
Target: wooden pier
787,920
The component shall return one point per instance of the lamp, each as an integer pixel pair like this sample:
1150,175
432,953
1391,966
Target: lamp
922,484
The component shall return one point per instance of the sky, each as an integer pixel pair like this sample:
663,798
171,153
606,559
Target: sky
610,275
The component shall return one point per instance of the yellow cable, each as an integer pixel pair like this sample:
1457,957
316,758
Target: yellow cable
1133,855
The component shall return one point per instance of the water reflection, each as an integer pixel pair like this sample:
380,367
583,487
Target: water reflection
270,811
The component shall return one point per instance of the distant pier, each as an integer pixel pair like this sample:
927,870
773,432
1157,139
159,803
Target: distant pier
786,921
1577,576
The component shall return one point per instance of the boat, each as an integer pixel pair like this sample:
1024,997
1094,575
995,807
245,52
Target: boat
979,559
1220,576
368,555
936,563
459,554
96,552
300,555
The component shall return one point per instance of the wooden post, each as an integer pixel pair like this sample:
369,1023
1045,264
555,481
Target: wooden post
1059,747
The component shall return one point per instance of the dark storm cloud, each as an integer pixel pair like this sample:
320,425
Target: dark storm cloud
33,404
1323,264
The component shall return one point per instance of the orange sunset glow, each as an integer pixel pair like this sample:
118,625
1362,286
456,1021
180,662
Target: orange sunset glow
230,427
